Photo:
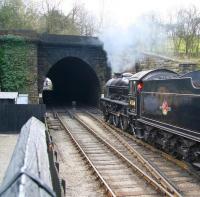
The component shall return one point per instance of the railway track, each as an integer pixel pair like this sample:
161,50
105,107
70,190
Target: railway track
175,172
114,172
122,164
79,180
120,175
97,114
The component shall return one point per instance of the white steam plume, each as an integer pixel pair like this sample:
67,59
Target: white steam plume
124,44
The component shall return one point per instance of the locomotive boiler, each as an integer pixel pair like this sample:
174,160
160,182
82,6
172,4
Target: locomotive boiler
158,106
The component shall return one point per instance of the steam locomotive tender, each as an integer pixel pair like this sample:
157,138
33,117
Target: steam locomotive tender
158,106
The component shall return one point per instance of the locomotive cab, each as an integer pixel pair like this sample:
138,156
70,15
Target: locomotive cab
137,82
136,86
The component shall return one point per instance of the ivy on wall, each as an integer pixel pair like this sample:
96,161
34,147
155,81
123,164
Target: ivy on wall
13,63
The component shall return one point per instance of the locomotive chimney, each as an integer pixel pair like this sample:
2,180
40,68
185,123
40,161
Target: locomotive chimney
117,75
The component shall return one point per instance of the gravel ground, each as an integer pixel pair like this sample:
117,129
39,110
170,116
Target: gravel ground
7,145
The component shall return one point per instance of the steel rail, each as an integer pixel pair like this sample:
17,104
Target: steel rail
158,176
102,180
179,163
155,184
182,164
168,157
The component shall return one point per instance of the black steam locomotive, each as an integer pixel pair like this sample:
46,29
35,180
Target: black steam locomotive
158,106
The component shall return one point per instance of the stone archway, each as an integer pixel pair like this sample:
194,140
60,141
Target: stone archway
73,80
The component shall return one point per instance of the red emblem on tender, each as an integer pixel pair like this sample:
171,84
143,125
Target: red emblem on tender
165,107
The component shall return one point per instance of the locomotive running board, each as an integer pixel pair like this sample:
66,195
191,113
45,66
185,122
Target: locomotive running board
114,101
160,125
196,165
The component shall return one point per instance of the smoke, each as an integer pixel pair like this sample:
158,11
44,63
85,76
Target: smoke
123,45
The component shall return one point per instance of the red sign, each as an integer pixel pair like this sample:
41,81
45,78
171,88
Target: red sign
165,108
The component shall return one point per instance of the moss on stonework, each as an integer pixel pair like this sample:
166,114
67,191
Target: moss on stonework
14,66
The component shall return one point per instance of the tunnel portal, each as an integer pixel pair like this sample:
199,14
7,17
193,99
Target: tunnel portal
73,80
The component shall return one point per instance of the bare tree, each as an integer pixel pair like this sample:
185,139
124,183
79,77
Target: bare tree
152,32
184,28
83,20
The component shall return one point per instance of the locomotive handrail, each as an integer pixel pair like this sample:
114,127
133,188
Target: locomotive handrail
114,101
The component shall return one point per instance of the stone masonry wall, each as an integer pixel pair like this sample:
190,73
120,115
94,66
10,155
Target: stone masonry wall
49,55
33,75
46,50
148,61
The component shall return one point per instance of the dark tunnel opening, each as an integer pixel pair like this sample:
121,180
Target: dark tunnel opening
73,80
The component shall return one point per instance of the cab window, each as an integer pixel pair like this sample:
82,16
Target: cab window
132,89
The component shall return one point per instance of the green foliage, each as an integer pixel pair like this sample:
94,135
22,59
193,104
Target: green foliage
58,23
15,15
13,64
18,14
